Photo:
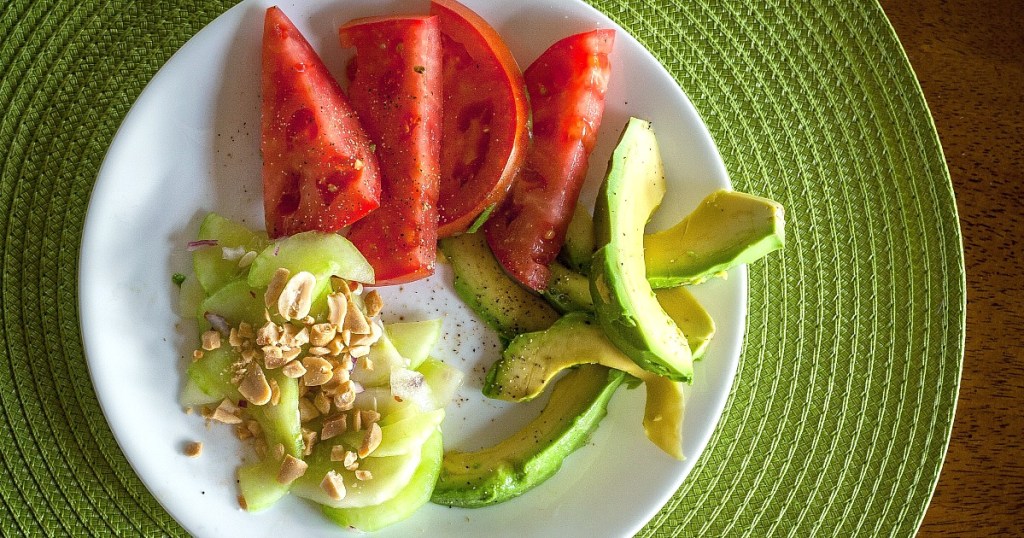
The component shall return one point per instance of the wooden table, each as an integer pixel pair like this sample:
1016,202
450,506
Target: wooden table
969,57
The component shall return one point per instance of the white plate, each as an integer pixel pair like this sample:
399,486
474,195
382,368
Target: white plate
190,145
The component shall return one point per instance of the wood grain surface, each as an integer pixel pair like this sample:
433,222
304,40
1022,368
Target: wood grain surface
969,57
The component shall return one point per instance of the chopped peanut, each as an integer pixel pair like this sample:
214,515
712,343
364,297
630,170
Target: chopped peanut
291,469
333,486
211,340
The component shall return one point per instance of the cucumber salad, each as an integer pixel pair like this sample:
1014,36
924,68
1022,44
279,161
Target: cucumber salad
440,144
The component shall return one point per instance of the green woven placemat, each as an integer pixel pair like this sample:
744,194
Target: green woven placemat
844,398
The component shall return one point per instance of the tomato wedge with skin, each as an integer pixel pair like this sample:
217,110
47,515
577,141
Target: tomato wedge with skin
485,130
319,172
567,85
396,90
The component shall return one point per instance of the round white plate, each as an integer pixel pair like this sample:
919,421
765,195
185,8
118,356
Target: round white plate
190,145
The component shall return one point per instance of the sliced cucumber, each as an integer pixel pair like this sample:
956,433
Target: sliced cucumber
280,423
414,340
384,358
443,380
193,396
259,486
212,270
390,475
322,254
401,437
414,495
212,373
235,302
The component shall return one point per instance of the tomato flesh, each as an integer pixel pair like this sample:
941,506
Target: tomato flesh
485,126
319,172
567,85
396,90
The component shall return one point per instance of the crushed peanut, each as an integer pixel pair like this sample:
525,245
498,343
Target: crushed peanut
363,474
226,412
291,469
373,303
197,354
322,403
350,459
337,307
355,321
333,486
276,286
308,440
334,427
254,386
371,440
297,296
338,453
359,351
293,369
318,371
193,449
275,392
268,335
357,421
211,340
321,334
307,411
318,351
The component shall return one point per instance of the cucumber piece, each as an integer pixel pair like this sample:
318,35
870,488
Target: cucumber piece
212,373
415,339
500,301
401,437
414,495
385,358
390,475
193,396
235,302
443,381
212,270
322,254
259,486
280,423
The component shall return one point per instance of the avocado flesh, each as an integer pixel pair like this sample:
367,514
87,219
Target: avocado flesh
480,281
532,360
568,291
535,453
579,241
623,300
728,228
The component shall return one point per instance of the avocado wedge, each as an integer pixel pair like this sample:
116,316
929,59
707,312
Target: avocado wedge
535,453
532,360
624,302
727,228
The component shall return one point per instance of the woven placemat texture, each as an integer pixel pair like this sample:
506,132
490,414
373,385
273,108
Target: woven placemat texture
844,398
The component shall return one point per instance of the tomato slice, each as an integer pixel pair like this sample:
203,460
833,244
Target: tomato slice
319,172
486,117
567,85
396,90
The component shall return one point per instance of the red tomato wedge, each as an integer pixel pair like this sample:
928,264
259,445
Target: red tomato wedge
486,117
567,85
319,172
396,90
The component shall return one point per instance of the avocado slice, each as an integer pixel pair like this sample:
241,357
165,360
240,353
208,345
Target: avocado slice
532,360
535,453
481,282
727,228
568,291
579,241
625,303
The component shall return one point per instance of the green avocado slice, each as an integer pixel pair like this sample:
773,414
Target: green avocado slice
500,301
728,228
535,453
532,360
624,301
